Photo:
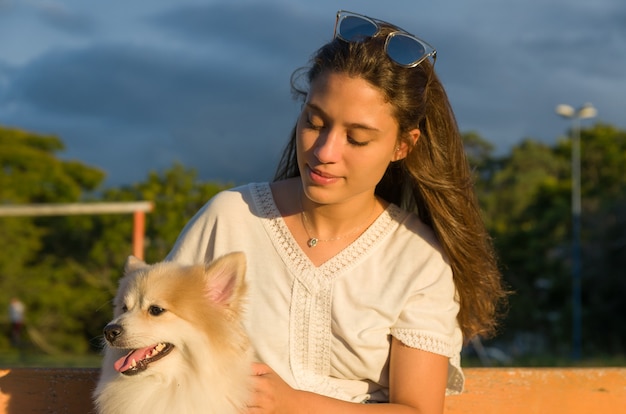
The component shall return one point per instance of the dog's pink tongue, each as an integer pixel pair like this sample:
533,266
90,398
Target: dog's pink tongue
125,363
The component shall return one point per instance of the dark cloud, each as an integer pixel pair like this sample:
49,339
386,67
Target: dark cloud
580,40
5,74
60,17
250,31
129,84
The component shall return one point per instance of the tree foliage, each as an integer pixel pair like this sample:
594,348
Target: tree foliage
32,172
526,196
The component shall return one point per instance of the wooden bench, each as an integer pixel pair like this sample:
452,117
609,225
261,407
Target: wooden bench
487,390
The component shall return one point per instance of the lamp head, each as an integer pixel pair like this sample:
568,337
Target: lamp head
587,111
565,111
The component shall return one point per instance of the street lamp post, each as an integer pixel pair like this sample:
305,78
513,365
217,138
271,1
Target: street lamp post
584,112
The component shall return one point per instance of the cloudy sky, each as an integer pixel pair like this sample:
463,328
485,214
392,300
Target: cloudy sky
132,86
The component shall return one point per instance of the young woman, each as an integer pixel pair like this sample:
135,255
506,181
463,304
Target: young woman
368,261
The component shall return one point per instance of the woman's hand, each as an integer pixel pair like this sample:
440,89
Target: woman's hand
417,384
270,394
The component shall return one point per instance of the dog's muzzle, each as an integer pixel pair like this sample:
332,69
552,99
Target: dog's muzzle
136,360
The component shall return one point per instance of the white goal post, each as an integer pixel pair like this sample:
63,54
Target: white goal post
137,208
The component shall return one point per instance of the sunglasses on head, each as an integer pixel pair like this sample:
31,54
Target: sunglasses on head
402,47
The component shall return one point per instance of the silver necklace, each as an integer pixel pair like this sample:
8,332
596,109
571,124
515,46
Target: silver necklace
313,241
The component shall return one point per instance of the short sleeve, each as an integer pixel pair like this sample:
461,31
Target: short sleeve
198,241
429,319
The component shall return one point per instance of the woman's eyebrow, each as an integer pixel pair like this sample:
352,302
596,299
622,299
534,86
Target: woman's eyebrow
354,125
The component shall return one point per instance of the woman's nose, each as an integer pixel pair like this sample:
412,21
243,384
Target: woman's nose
328,147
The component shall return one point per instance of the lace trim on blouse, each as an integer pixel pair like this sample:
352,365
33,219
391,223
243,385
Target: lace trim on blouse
297,259
424,341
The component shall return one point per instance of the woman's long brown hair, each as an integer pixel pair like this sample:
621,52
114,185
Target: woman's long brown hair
434,180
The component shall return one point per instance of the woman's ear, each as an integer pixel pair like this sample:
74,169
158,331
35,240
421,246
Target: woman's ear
403,147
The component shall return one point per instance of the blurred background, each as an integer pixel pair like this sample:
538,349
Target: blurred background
171,101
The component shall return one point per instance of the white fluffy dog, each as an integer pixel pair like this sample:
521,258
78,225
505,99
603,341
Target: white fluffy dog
176,344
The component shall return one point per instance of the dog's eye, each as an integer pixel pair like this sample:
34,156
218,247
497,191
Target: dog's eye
155,310
124,308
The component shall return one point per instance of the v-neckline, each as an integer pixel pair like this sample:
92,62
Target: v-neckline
297,259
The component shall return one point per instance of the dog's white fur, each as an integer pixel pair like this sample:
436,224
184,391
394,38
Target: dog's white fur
196,308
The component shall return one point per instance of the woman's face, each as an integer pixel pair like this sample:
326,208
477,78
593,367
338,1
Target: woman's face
346,136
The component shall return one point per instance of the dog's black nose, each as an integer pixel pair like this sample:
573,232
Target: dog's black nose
112,331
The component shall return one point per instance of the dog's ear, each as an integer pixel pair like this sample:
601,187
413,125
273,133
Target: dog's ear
133,263
225,278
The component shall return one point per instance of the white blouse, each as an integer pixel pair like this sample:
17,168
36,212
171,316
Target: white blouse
327,329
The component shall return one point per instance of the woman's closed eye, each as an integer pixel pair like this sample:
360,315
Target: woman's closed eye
356,142
314,123
314,126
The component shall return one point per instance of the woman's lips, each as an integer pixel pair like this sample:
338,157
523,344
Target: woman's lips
320,177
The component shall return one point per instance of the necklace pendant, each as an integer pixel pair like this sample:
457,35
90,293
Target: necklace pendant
312,242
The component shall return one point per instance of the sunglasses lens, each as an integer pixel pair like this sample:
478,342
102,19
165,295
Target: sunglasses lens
355,29
404,49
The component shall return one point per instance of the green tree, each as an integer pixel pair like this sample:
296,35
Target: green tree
522,197
603,182
31,172
527,200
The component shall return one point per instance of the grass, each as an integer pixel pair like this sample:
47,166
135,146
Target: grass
30,359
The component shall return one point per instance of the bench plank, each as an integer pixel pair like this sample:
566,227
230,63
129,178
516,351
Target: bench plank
487,391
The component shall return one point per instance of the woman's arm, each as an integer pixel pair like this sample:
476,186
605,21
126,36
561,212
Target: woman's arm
417,385
417,378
